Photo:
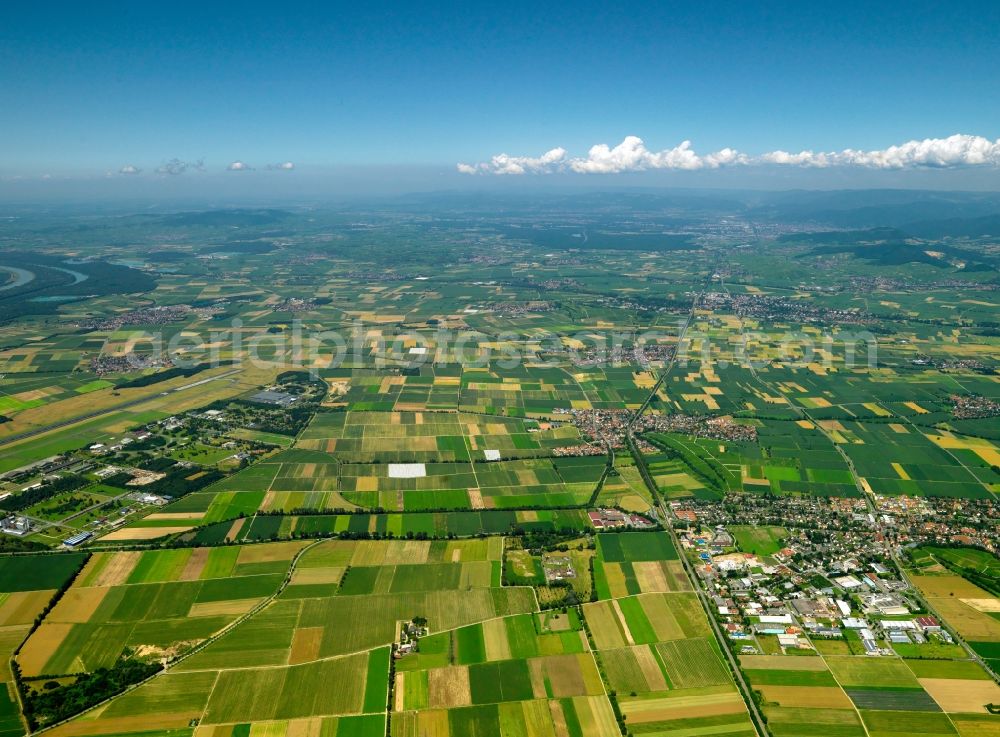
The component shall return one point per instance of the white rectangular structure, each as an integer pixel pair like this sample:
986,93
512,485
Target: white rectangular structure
776,619
407,470
492,455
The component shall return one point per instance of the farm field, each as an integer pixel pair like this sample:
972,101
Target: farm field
155,603
420,524
659,654
315,481
505,467
27,586
637,563
759,540
488,653
968,608
862,694
299,637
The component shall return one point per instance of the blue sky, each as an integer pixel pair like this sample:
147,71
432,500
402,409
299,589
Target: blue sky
89,88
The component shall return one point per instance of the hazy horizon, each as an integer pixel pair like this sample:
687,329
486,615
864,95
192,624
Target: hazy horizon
121,100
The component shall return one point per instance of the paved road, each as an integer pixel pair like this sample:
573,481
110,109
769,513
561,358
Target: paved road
667,518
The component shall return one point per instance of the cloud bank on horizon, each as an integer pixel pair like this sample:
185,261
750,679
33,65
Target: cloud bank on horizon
175,167
631,155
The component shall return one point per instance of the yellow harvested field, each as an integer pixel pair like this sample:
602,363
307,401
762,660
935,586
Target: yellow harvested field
495,637
876,409
432,723
570,675
651,672
651,576
781,662
399,692
77,605
125,725
235,529
317,575
622,623
143,533
406,552
195,564
110,569
682,707
660,616
644,380
595,715
21,607
988,606
270,552
176,515
819,697
302,728
305,644
233,607
970,623
604,626
916,408
962,695
947,586
448,687
40,647
616,579
990,456
900,471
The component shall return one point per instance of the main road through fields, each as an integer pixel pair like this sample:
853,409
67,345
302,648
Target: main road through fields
665,515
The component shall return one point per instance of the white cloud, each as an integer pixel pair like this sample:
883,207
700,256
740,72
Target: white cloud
175,166
238,166
129,169
953,151
632,155
283,166
503,164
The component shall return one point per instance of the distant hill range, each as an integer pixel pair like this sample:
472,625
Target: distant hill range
893,246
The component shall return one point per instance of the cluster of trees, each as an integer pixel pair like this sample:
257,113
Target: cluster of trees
701,468
55,702
175,484
48,489
170,373
157,464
